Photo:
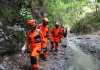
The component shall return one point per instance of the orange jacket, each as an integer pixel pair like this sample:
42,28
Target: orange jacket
34,41
55,36
44,31
61,32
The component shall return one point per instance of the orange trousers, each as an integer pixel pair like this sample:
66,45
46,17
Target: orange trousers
34,56
44,49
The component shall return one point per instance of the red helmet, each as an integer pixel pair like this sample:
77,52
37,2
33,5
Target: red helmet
30,22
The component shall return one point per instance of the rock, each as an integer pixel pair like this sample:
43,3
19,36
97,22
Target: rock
2,67
1,24
79,38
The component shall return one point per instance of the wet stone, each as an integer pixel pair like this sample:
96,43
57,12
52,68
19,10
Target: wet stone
79,38
87,38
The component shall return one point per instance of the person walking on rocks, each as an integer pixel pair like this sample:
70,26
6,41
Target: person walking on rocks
55,37
45,31
34,39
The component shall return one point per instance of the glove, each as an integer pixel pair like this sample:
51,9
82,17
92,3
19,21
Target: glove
23,48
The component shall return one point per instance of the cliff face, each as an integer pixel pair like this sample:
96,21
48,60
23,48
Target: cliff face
9,38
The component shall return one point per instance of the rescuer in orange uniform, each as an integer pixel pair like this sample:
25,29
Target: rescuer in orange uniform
61,32
34,39
55,37
44,29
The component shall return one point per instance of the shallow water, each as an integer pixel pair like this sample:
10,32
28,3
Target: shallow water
80,60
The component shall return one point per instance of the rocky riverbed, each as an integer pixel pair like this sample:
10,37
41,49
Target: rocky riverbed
82,53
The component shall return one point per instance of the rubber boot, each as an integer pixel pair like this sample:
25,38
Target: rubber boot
52,46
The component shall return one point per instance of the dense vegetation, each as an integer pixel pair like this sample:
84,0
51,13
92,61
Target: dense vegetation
82,16
79,15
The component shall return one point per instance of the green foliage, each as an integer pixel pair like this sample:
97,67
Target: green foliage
98,0
69,13
25,13
77,14
88,24
25,10
65,12
7,13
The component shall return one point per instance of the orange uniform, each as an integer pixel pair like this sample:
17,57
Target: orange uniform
61,33
34,41
55,34
55,37
44,30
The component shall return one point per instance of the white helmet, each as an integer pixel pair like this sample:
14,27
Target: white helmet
57,23
46,19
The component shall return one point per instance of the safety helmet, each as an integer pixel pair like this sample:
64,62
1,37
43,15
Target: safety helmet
31,22
56,23
45,19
